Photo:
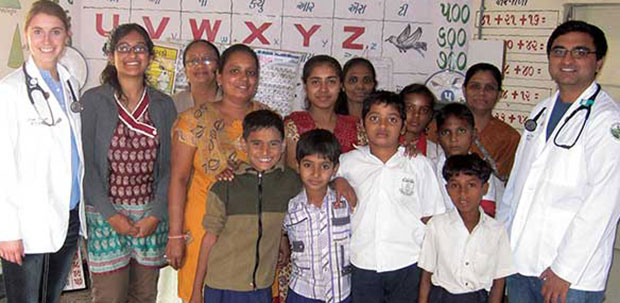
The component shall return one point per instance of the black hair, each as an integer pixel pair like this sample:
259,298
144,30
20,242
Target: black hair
234,49
598,36
318,142
384,97
471,165
262,119
484,67
320,60
457,110
341,105
109,74
419,89
201,41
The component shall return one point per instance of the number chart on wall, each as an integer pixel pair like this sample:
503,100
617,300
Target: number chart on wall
525,27
416,37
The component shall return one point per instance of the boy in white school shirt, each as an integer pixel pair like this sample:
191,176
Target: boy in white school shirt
466,253
396,196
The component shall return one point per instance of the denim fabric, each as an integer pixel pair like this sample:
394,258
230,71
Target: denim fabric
41,277
293,297
212,295
398,286
440,295
528,289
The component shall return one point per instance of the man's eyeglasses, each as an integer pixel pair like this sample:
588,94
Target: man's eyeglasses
197,61
126,48
576,53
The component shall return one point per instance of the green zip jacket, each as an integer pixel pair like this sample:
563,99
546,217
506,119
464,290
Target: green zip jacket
246,215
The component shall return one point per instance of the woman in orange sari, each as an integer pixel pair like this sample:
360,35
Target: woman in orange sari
207,139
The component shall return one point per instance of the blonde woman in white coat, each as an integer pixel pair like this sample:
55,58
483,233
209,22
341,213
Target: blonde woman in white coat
41,161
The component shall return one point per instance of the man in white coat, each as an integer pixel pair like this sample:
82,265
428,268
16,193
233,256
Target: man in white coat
564,188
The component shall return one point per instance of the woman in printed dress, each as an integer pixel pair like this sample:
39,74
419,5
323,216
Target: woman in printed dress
207,139
322,78
126,127
200,61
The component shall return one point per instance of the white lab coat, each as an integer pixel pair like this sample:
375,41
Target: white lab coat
564,203
35,164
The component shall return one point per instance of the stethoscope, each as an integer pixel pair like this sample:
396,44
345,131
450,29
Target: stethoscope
531,124
32,85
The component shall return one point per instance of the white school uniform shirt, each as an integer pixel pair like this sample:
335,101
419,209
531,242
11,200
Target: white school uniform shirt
36,177
434,152
565,203
461,261
494,193
392,198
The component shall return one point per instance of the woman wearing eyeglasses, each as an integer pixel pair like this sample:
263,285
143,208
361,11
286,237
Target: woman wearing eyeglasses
200,62
497,141
205,142
41,163
127,155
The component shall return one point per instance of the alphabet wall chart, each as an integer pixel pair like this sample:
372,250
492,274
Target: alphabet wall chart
411,39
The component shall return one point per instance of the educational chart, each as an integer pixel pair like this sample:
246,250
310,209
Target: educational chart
417,37
525,27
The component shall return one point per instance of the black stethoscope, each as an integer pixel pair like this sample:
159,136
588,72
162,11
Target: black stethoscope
531,124
33,86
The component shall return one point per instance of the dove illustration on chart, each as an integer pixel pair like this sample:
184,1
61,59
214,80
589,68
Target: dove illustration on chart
407,40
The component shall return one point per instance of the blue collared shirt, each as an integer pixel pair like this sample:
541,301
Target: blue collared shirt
58,91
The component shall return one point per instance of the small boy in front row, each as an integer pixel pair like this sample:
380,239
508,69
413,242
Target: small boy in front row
244,217
466,254
397,194
318,226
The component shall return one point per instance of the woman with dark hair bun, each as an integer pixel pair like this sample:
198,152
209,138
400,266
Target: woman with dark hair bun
200,60
127,160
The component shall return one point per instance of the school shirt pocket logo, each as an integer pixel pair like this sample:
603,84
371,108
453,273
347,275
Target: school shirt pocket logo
407,186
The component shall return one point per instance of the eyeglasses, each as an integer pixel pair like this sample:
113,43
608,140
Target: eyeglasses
126,48
475,86
576,53
197,61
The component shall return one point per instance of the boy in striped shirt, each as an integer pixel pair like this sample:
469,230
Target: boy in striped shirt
318,226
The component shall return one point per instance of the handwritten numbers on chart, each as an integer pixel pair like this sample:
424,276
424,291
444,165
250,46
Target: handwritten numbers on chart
203,3
455,13
452,61
452,37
